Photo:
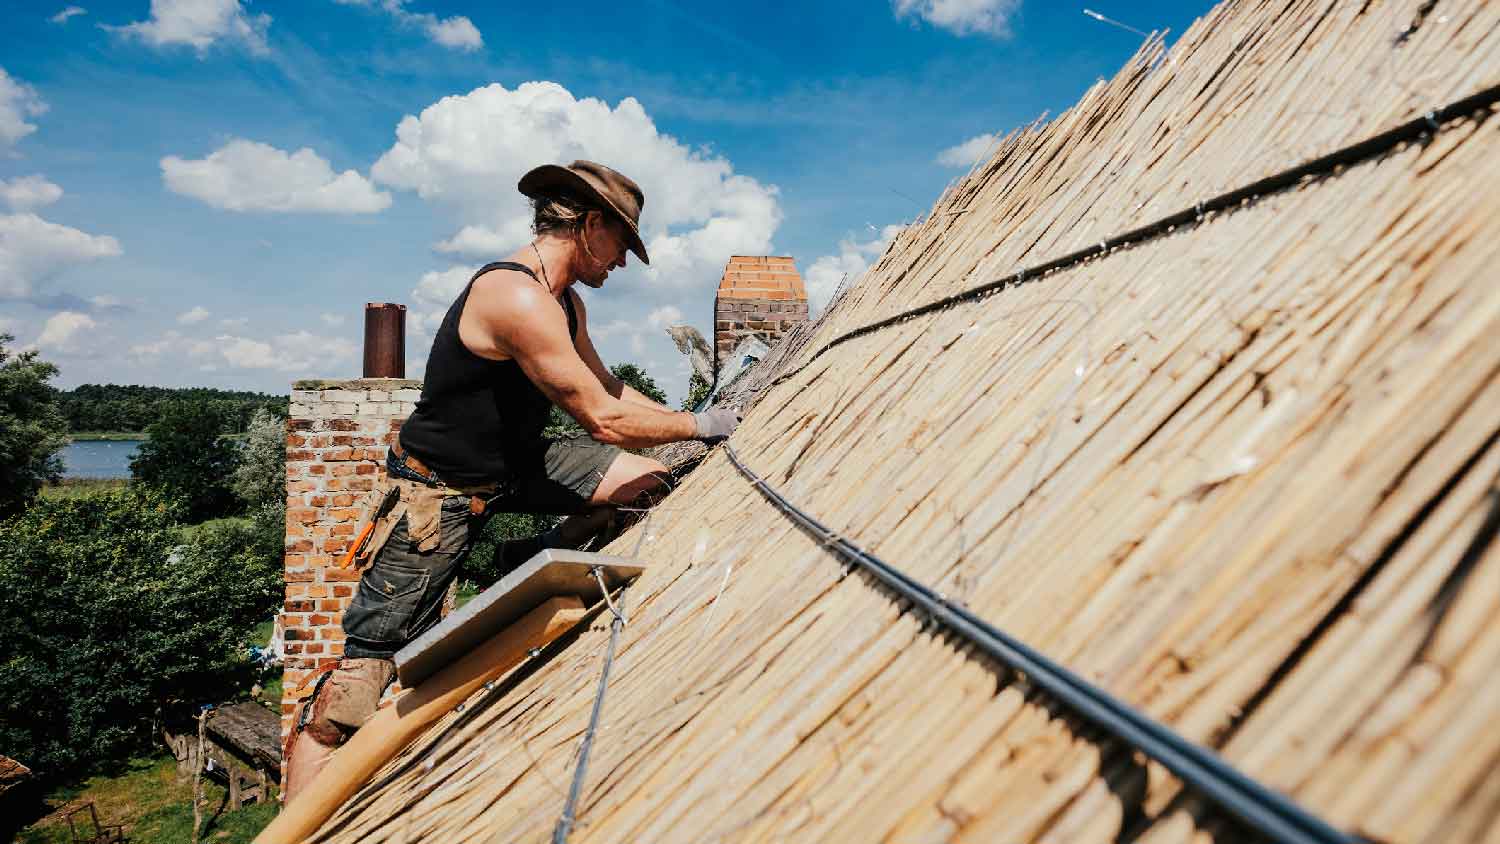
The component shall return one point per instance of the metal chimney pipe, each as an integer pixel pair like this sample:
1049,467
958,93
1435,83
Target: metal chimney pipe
385,340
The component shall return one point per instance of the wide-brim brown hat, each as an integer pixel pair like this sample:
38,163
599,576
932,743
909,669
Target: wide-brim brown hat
598,185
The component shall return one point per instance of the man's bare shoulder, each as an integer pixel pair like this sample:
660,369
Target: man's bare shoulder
504,295
507,310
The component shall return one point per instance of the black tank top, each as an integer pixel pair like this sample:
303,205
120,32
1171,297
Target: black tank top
479,421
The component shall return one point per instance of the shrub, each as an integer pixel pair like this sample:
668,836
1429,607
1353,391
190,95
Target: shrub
482,566
697,391
109,622
186,457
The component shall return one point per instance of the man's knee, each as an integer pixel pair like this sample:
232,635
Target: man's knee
630,477
345,699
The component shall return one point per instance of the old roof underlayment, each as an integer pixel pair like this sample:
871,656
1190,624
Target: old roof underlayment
1239,471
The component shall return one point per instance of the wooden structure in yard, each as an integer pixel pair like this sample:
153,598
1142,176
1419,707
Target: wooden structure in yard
242,746
88,830
1242,474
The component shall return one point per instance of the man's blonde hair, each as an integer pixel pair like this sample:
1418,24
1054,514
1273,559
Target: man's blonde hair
559,214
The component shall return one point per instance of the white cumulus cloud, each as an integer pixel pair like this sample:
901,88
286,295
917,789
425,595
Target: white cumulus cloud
71,11
968,152
18,101
457,32
178,345
853,258
664,316
301,351
479,242
434,292
60,333
251,176
466,153
33,250
25,193
199,24
962,17
197,314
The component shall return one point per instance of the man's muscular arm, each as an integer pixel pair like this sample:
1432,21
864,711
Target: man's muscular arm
534,332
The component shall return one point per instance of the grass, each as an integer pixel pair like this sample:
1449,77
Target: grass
82,487
154,804
187,532
115,436
466,592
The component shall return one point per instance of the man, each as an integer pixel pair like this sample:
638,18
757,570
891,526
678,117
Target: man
514,343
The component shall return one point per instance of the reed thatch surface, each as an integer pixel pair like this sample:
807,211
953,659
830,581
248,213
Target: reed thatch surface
1243,476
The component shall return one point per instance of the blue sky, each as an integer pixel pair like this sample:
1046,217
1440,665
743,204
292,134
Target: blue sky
206,192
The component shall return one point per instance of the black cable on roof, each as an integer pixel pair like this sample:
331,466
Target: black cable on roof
1426,126
1268,812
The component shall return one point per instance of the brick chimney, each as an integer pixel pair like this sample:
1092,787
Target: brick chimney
760,295
337,436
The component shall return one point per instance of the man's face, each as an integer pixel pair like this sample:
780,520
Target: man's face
605,239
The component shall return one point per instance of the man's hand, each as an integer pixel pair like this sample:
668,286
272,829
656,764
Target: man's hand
716,424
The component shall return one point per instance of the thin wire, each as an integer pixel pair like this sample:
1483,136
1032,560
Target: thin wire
598,574
1269,812
1112,22
713,605
569,815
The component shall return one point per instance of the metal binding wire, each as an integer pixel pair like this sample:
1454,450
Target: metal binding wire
1268,812
564,826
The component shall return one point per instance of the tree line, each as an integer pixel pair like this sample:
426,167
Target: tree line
133,408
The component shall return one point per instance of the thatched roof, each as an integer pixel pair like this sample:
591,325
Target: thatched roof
1243,475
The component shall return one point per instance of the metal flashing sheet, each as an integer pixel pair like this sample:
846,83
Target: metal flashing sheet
551,573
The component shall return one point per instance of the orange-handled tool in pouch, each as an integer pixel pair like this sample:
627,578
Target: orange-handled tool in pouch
357,548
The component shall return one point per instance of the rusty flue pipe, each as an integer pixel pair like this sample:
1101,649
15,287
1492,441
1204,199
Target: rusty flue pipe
385,340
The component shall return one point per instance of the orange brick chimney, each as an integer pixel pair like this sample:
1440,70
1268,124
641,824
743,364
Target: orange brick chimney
760,295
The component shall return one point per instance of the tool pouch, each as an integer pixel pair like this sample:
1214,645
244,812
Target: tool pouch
424,514
421,506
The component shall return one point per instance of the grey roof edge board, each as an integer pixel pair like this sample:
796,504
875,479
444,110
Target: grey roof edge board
552,573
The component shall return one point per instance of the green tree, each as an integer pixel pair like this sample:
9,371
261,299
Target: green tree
637,378
32,428
562,425
110,623
186,458
697,391
260,482
260,477
484,565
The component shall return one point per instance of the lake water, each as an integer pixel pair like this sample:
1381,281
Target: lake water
98,458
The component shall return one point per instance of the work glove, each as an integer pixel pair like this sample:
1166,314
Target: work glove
716,424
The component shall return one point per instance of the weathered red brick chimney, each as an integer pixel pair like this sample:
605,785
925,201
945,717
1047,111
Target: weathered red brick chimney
760,295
